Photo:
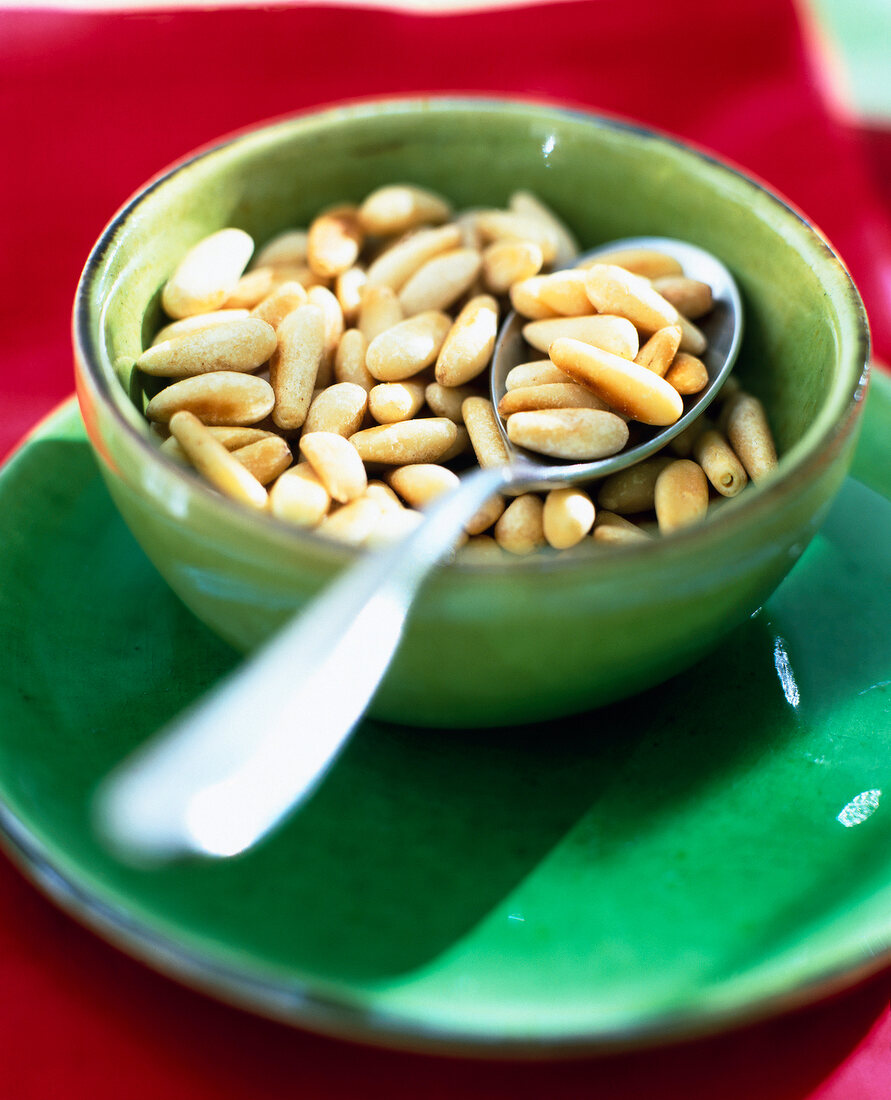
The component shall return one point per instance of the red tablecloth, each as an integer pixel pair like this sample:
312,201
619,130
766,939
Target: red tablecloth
92,105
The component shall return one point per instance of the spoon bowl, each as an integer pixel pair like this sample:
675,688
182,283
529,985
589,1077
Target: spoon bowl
722,328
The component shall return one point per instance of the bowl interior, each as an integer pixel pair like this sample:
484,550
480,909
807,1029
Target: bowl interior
606,179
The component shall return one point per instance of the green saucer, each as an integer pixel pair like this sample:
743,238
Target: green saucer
714,850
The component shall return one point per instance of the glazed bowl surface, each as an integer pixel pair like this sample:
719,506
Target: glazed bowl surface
540,636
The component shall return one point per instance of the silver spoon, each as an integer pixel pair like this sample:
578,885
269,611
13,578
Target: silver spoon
229,769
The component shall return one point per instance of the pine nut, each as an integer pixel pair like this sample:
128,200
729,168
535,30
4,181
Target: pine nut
692,339
471,237
284,249
520,530
460,446
395,267
481,550
749,434
659,351
333,320
632,490
447,400
221,397
233,437
509,262
392,402
298,273
336,463
612,289
393,525
486,515
420,440
242,345
379,310
396,208
252,288
214,462
613,334
689,296
529,205
567,517
295,364
299,497
333,242
382,492
440,282
207,274
348,287
623,385
526,299
283,300
422,483
197,322
687,374
540,372
501,225
339,409
265,458
467,349
354,522
349,361
555,395
409,347
723,469
681,496
564,292
612,528
683,443
578,435
639,261
485,435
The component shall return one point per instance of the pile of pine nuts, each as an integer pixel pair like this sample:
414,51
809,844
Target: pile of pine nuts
338,377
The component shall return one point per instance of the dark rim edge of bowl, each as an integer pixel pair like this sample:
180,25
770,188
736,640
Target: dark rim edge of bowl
681,543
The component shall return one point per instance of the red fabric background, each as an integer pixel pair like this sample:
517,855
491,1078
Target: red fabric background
91,106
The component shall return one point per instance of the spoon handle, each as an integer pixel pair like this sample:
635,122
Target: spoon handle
228,770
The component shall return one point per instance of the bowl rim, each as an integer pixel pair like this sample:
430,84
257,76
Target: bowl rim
837,417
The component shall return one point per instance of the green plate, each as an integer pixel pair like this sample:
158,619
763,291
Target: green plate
711,851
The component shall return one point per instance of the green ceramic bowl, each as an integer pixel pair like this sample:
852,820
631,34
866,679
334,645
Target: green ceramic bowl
543,636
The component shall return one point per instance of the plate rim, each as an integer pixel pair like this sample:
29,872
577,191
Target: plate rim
292,1001
299,1006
